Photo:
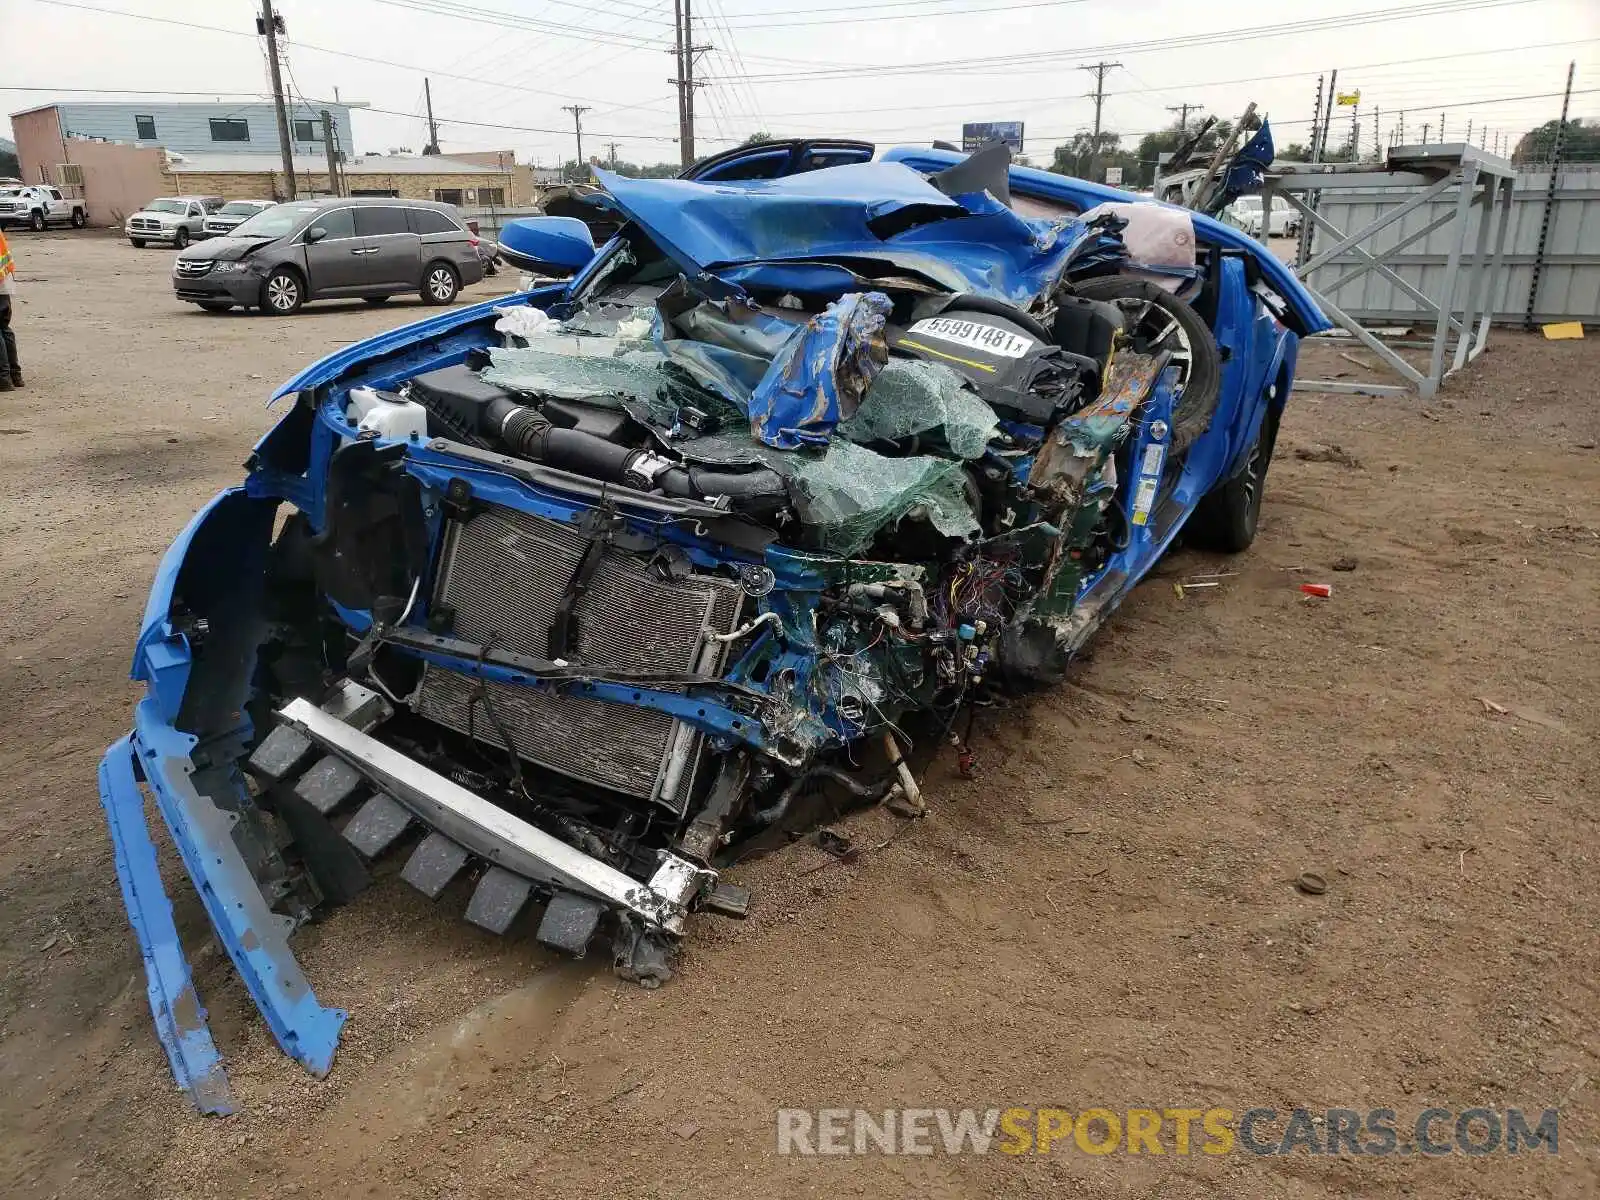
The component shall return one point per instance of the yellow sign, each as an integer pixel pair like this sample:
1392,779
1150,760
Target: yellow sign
1348,98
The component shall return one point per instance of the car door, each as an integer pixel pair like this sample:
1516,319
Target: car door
393,258
334,258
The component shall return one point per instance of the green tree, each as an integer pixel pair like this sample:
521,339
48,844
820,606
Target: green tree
10,165
1580,142
757,138
1166,141
1078,157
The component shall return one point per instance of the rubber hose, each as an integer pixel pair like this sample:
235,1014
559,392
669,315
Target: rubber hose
739,485
776,811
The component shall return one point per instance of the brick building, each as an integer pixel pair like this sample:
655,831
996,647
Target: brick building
117,157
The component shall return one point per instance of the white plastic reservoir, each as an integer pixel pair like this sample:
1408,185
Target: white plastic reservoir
387,415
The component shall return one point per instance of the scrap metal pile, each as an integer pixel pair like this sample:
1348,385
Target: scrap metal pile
583,596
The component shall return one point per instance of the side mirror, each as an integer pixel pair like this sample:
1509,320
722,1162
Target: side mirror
547,245
315,234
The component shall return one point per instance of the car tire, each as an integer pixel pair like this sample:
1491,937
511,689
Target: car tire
215,305
36,221
1140,301
79,220
180,239
282,293
1227,516
138,243
376,299
440,283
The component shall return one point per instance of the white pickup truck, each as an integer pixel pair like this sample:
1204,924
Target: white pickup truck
39,206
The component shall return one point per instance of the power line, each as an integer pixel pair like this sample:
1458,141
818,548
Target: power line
1183,41
964,11
308,46
971,101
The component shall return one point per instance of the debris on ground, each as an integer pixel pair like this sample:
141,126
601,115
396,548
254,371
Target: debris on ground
1328,454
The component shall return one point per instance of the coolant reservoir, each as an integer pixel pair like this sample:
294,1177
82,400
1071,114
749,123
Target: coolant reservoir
386,414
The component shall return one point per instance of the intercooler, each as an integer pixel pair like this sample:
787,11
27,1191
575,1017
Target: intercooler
505,574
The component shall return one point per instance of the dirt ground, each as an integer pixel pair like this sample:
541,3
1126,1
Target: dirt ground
1106,917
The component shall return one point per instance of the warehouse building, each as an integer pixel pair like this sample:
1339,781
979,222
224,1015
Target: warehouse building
119,156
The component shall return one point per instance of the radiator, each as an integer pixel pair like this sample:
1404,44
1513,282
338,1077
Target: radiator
504,573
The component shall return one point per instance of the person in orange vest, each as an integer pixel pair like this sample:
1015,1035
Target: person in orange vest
10,368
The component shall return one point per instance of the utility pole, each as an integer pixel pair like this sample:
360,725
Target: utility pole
332,152
1549,198
613,148
433,127
1316,125
688,78
1441,127
577,111
684,51
1377,144
677,81
1183,114
269,24
1469,130
1099,69
1327,113
1425,128
1401,141
1355,134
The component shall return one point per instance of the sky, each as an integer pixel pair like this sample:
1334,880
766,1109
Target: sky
502,71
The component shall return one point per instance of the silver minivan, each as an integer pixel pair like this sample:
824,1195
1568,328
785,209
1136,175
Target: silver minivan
366,246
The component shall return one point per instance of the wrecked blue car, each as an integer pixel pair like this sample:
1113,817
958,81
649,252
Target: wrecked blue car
570,599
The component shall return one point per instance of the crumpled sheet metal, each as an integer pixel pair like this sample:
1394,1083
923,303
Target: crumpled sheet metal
858,213
819,375
913,396
725,348
1077,448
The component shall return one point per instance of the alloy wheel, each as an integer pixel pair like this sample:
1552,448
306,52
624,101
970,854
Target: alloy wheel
282,293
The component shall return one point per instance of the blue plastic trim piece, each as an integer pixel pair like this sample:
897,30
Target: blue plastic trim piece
180,1021
255,938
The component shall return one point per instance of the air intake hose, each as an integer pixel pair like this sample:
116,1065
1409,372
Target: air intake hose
526,432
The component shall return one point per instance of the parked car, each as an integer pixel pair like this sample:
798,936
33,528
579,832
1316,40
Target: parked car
176,220
231,215
1245,213
591,591
372,247
39,206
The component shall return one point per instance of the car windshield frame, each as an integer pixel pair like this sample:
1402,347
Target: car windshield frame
175,207
280,220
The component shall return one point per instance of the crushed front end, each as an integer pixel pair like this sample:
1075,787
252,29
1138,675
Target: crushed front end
583,596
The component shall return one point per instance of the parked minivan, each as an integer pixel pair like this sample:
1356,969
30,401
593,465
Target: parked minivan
367,246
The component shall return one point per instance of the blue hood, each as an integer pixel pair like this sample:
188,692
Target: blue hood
880,212
1300,310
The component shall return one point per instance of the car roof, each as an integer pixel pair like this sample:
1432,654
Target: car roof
365,201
